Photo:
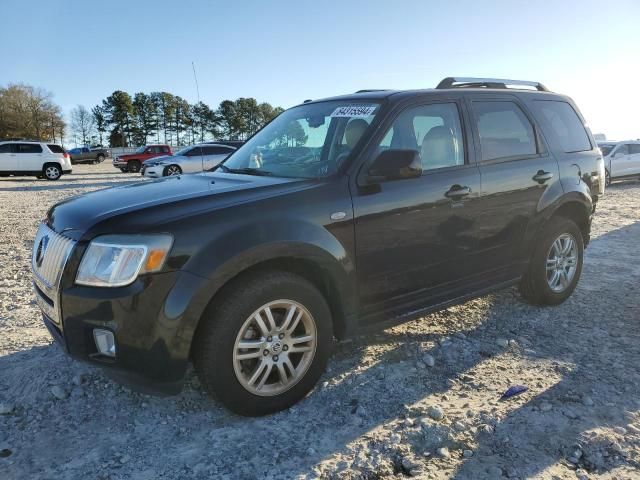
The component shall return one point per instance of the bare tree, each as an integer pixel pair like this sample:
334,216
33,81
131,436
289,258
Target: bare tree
82,124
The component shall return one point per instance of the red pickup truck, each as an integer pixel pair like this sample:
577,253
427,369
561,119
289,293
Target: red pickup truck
132,162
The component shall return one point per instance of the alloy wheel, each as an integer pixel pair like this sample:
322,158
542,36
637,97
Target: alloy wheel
173,170
562,262
52,173
274,348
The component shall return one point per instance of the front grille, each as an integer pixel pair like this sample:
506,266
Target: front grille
48,259
50,253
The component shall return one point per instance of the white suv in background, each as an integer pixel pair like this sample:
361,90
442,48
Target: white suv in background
41,159
621,160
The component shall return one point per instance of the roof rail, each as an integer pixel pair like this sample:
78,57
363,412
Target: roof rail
373,90
472,82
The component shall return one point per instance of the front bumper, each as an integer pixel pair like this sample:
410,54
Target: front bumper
119,163
155,171
153,321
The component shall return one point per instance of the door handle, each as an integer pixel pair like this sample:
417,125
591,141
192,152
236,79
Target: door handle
542,176
457,191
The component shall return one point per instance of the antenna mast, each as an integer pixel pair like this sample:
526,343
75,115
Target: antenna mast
196,79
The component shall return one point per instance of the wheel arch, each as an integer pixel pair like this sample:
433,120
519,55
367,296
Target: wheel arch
578,211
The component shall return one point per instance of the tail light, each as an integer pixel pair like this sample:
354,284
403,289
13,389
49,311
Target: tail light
65,155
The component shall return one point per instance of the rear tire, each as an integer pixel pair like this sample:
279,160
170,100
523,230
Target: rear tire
607,177
133,166
52,172
100,158
556,263
279,349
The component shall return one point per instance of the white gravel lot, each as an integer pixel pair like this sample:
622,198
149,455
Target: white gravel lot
416,400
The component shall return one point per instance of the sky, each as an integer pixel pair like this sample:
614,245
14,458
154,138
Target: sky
286,51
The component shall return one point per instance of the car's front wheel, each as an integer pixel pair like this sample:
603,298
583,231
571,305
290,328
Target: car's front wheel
556,263
607,177
133,166
172,170
52,172
263,346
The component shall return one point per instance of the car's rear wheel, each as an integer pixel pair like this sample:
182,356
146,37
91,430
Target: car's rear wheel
172,170
607,177
556,264
133,166
100,158
263,347
52,172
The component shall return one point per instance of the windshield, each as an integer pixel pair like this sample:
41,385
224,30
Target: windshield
308,141
141,149
606,149
184,151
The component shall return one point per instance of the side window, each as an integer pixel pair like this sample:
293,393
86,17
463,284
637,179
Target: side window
220,151
433,130
6,148
634,148
194,152
622,149
504,130
164,149
565,123
29,148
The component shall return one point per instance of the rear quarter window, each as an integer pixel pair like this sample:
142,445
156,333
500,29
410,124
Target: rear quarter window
55,148
29,148
565,124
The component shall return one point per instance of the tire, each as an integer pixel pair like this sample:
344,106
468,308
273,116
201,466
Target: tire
607,177
536,284
225,323
100,158
133,166
52,172
124,169
171,170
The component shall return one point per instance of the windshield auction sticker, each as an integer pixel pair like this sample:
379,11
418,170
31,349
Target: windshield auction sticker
354,111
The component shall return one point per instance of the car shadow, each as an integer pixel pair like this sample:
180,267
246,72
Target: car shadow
372,384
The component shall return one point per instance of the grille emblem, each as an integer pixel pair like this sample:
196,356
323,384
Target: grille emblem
42,247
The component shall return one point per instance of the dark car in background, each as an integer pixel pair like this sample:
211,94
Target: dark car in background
342,214
89,154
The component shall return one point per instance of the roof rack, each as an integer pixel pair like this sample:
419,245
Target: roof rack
472,82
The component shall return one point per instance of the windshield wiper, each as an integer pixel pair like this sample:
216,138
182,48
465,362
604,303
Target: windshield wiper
245,171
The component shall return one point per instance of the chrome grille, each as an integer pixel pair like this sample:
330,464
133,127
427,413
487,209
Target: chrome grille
50,253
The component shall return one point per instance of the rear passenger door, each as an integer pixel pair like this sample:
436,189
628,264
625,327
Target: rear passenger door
516,169
8,158
30,157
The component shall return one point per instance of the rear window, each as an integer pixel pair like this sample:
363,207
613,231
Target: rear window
29,148
566,125
504,130
55,148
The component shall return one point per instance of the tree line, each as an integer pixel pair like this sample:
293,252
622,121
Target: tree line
29,112
125,120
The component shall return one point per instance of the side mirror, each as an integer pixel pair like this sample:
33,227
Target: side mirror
396,165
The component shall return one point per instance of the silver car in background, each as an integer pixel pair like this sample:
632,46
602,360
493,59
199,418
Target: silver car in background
192,159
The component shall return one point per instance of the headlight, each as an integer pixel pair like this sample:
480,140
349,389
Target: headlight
117,260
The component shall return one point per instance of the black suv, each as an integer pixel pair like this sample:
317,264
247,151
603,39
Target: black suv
359,210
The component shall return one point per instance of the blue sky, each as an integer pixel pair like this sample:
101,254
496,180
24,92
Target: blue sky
286,51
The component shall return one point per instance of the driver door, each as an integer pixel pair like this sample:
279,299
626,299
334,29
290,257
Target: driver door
416,237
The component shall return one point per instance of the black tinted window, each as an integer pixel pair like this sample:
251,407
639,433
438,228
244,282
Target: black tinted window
504,130
6,148
29,148
194,152
634,148
566,125
216,150
56,148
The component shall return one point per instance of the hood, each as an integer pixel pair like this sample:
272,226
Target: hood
150,203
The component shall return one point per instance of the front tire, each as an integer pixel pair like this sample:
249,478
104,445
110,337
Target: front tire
556,264
52,172
265,344
172,170
133,166
124,170
607,177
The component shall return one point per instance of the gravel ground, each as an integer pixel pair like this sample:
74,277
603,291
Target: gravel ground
419,400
